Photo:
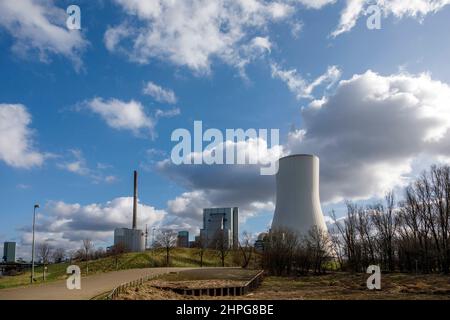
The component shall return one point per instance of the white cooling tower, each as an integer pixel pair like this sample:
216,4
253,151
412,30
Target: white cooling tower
298,202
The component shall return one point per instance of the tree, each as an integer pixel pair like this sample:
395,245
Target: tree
59,255
319,246
116,251
221,244
87,248
246,248
200,245
44,252
280,248
166,239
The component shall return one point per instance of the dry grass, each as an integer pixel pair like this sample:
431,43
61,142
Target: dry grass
333,286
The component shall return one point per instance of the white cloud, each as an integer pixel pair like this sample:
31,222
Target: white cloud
296,28
40,25
315,4
167,113
222,185
373,132
122,115
192,33
16,144
77,164
398,8
349,16
67,224
159,93
301,87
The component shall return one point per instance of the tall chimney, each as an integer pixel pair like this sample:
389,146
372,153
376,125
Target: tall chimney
135,200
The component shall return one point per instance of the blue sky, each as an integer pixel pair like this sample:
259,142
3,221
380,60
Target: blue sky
378,119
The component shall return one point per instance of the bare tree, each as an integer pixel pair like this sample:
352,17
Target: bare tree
222,245
280,249
44,251
319,246
87,248
116,252
166,239
246,248
385,228
59,255
200,245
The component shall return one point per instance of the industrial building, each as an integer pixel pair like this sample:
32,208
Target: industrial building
183,239
9,252
297,198
132,239
217,220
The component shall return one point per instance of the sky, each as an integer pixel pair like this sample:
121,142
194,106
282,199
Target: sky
81,109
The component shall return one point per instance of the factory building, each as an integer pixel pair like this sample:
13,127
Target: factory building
298,202
220,220
183,239
9,252
132,239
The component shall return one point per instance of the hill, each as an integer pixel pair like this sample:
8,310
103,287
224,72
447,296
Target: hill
180,257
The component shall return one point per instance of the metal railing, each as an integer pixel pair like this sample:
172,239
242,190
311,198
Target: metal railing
250,285
131,284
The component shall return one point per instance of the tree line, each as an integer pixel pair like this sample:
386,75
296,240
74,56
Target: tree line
411,235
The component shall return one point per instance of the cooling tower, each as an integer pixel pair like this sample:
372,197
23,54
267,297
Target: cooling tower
298,202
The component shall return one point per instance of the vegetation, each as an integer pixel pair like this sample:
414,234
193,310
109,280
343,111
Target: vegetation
180,257
411,237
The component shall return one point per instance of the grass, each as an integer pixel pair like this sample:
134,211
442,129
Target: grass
180,257
331,286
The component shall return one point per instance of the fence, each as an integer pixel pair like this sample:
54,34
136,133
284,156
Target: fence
121,288
250,285
222,291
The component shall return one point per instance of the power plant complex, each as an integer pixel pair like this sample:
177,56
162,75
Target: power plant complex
297,196
133,240
297,209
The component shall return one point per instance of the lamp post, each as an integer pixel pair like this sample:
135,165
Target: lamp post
32,246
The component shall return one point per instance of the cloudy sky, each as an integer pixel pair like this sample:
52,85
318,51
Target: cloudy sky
81,109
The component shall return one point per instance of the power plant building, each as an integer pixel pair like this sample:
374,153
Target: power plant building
9,251
183,239
220,220
297,199
132,239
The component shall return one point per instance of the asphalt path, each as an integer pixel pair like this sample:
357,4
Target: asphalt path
91,286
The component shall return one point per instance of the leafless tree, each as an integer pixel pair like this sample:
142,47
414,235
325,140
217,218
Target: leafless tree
166,239
280,249
319,248
59,255
221,245
44,251
116,252
246,248
411,236
200,245
87,248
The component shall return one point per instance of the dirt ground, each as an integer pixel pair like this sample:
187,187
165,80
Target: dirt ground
332,286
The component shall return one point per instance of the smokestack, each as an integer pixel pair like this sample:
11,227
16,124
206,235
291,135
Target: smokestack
135,200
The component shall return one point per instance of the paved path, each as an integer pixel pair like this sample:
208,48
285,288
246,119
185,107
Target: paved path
91,286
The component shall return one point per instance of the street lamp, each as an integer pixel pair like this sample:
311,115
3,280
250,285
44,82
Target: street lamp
32,246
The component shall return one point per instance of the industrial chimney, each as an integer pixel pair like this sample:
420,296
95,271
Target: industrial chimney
135,200
298,202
